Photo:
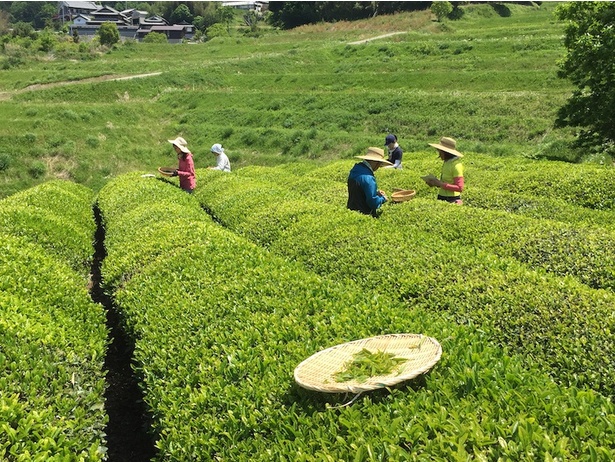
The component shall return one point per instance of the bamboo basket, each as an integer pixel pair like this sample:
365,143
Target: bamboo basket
403,195
166,171
318,371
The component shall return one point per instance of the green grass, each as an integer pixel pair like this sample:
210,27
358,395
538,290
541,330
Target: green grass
487,80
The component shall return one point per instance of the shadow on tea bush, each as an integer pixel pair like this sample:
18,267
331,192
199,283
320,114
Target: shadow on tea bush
558,150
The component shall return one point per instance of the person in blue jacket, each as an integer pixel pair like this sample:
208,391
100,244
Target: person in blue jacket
363,193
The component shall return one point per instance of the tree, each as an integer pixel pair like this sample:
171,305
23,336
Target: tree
38,14
589,38
226,14
47,40
4,22
441,9
292,14
181,14
108,34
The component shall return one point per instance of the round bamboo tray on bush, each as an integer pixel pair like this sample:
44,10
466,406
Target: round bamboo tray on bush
403,195
420,353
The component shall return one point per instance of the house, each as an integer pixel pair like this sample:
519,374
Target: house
108,14
250,5
175,33
67,11
81,19
131,24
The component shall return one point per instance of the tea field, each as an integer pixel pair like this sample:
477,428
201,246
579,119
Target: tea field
224,292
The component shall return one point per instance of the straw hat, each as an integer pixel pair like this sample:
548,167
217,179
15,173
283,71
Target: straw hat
376,155
448,145
180,143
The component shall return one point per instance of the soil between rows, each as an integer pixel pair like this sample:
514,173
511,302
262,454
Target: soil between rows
128,431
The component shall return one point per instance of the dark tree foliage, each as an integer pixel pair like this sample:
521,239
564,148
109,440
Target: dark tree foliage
590,65
292,14
181,14
39,14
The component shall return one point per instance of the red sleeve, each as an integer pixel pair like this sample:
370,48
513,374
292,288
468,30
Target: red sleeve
457,187
186,168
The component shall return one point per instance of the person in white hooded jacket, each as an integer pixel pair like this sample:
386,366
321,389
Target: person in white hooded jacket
222,162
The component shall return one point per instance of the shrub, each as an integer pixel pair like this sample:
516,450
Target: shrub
37,169
216,30
441,9
108,34
5,162
155,37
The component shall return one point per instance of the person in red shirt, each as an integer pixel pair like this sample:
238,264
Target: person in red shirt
185,169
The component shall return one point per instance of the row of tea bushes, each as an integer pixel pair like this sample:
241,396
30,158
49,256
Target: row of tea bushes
487,185
585,252
52,336
219,325
56,215
538,207
557,320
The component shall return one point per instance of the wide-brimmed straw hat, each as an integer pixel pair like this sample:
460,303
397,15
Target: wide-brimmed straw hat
448,145
180,143
375,154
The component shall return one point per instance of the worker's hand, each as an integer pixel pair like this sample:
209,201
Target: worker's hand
382,194
174,173
432,181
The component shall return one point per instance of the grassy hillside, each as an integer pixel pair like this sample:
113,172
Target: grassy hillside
488,79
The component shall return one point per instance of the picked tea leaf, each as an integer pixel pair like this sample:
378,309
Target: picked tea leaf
366,364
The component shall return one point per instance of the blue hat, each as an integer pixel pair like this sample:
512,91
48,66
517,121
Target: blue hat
390,139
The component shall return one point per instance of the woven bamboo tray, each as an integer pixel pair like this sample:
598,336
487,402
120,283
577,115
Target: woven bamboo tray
166,171
403,195
317,372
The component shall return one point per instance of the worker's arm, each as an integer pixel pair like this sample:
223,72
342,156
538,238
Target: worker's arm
374,197
457,186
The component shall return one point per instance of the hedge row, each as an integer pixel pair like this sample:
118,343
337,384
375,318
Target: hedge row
492,183
562,323
52,336
583,251
56,215
219,325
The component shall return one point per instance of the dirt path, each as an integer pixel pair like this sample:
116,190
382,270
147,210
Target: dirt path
359,42
103,78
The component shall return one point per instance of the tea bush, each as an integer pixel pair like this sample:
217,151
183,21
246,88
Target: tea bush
464,265
220,323
52,336
57,215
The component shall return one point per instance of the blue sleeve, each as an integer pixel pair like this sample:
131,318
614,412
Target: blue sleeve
368,184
